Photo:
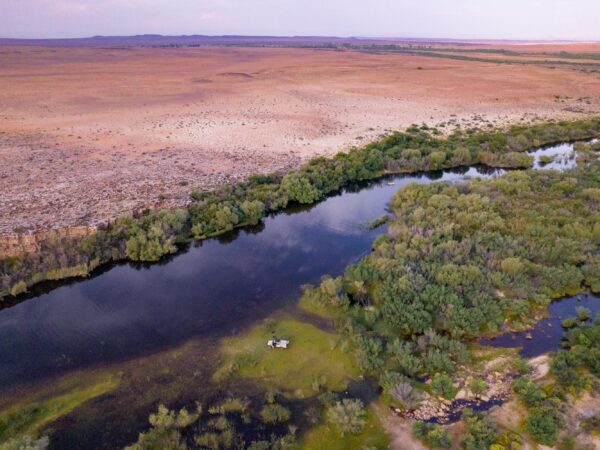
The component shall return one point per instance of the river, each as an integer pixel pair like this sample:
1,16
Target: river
125,315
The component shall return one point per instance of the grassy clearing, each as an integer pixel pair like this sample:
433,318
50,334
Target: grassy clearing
313,355
482,355
326,436
307,304
30,416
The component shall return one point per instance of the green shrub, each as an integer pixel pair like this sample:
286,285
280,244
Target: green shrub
569,322
542,424
521,366
480,433
583,314
478,386
406,395
26,443
348,415
567,443
529,392
432,435
441,385
298,188
592,425
275,413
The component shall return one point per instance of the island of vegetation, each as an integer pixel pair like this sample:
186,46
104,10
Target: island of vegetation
463,261
392,342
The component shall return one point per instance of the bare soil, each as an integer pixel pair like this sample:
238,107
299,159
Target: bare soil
88,134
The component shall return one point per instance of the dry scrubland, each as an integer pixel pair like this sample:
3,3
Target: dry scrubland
87,134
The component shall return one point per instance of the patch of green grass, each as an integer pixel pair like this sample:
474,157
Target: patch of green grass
376,223
327,436
30,416
313,354
482,354
547,159
309,305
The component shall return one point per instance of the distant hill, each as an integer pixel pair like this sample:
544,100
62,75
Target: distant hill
156,40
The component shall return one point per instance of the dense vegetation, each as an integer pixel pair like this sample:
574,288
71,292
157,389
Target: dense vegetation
581,355
156,234
456,261
574,370
459,261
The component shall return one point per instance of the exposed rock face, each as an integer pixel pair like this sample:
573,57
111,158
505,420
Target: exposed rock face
12,245
540,366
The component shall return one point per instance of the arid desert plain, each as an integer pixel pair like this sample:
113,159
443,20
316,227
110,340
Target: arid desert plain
91,133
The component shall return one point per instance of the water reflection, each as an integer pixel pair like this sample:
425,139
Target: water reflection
562,157
548,333
213,289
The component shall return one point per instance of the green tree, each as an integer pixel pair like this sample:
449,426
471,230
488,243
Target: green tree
165,430
542,424
253,211
275,413
298,188
480,433
441,385
432,435
477,386
348,415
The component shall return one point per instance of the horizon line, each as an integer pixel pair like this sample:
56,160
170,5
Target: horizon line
312,36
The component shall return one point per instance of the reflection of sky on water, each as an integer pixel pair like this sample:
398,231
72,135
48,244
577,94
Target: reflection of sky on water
212,289
563,157
547,334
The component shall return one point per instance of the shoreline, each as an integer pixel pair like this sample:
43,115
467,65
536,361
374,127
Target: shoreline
174,238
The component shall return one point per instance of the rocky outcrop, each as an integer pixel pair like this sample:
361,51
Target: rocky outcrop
443,411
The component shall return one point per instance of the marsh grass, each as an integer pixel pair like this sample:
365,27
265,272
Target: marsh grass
30,416
312,306
313,355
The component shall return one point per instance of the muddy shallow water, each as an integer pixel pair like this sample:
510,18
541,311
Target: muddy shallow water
217,288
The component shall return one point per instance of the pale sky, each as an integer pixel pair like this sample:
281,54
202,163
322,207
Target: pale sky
468,19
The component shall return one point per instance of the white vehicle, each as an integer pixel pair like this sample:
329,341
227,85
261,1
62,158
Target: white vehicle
278,343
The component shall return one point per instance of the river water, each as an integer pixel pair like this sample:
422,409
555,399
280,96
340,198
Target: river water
208,291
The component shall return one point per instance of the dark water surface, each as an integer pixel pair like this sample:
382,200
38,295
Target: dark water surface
211,290
547,334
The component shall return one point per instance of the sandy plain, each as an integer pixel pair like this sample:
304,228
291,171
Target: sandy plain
88,134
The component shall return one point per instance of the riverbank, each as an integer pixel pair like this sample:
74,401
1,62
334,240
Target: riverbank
217,296
153,235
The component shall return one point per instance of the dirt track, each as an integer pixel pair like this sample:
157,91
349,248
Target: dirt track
88,134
